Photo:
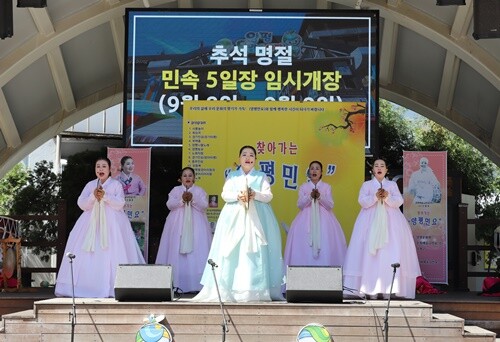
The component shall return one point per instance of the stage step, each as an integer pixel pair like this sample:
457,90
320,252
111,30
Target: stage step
110,320
476,310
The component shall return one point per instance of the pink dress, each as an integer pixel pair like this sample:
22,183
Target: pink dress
185,241
101,239
324,247
372,273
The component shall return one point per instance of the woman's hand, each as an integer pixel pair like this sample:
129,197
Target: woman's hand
251,194
382,194
315,194
246,196
187,197
99,193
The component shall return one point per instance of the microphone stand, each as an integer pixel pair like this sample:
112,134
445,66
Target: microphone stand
225,328
386,318
72,314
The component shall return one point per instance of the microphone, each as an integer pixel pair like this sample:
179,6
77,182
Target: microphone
71,256
212,263
395,265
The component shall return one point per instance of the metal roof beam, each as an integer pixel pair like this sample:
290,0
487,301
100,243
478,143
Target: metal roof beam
7,124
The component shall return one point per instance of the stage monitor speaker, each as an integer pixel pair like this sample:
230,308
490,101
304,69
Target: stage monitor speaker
486,19
450,2
6,19
144,283
32,3
314,284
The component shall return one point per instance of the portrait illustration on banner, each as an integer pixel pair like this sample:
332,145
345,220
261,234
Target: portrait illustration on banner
131,167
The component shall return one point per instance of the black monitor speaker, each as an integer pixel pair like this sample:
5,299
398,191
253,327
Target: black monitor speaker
144,283
32,3
450,2
486,19
314,284
6,21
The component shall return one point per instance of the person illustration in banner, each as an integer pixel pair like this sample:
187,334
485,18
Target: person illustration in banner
214,203
101,239
247,243
132,183
424,185
315,237
380,239
187,235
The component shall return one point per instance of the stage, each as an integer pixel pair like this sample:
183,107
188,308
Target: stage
450,316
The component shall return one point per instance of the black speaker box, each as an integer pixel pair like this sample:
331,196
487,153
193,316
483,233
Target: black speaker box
486,19
6,19
144,283
450,2
32,3
314,284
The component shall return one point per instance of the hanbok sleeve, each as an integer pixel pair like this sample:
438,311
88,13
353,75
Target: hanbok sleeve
86,199
175,198
200,199
394,199
264,194
229,192
141,187
114,195
366,198
325,198
304,199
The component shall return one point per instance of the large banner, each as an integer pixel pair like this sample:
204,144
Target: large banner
175,56
287,137
425,207
132,167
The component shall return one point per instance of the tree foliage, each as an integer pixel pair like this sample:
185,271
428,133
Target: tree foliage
39,196
396,134
12,182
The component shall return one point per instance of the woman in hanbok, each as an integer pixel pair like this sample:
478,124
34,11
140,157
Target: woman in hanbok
381,242
315,237
132,183
101,239
187,235
245,259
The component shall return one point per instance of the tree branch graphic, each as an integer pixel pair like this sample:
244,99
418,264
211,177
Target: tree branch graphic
357,109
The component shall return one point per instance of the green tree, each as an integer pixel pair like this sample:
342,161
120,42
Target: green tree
40,196
396,134
9,185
